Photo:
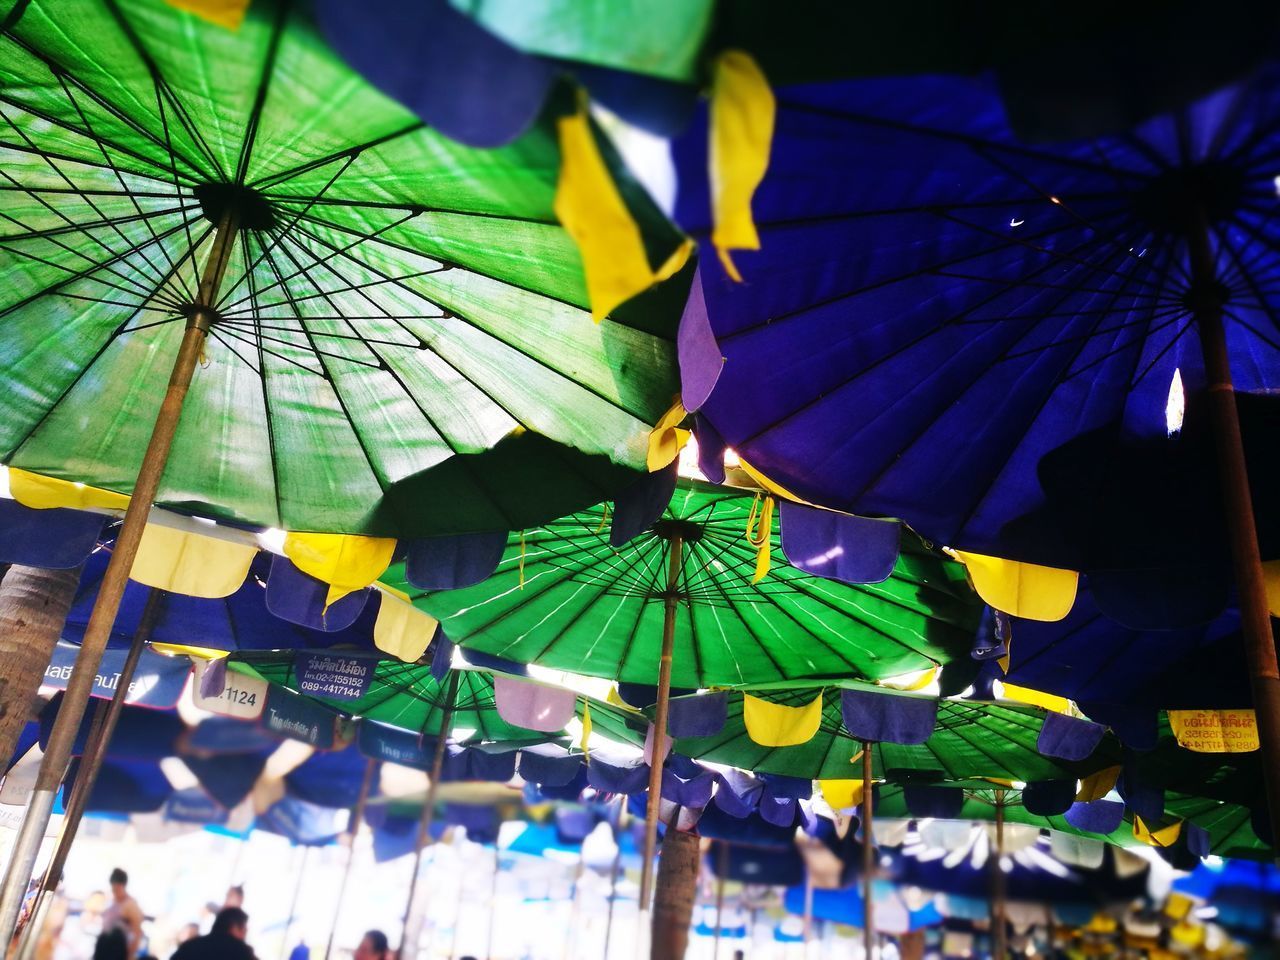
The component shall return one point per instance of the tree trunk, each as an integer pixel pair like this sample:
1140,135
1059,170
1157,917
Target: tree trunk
674,894
911,945
34,603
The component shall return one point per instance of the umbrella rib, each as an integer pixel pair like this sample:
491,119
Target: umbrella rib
218,336
915,341
414,208
695,644
115,171
1008,244
65,392
270,182
1027,283
280,232
153,276
255,303
55,68
272,453
329,378
1247,275
85,274
44,234
283,11
586,388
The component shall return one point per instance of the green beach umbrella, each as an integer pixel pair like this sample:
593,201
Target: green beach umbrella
705,595
970,740
564,597
243,283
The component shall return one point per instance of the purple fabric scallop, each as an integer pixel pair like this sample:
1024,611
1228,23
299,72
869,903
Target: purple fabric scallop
1049,798
711,449
448,563
941,803
697,349
779,786
700,716
641,504
626,778
490,767
839,546
548,770
779,811
574,823
739,793
693,792
887,717
466,82
1140,797
442,658
1068,738
1168,598
1197,839
57,539
299,598
1096,816
992,641
1136,726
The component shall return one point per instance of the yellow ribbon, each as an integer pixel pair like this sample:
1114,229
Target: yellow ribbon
760,535
666,439
742,119
594,214
586,730
224,13
1098,785
1163,837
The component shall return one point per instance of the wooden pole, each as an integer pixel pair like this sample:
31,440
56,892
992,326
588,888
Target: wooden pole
868,855
999,932
1255,619
57,755
670,604
353,834
722,870
100,733
493,899
429,810
674,895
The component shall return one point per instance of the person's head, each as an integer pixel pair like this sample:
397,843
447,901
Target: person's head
111,946
119,882
373,946
235,897
189,931
232,921
739,955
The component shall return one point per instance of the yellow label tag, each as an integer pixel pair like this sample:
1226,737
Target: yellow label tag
1215,731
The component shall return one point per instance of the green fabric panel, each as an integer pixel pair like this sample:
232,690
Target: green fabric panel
660,37
406,695
972,740
590,609
395,301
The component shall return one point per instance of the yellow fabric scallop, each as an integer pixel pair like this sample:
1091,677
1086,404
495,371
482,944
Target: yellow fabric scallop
777,725
1098,785
190,564
1271,579
1163,837
1177,906
43,493
347,563
593,213
585,740
666,439
842,794
1022,589
613,697
225,13
1036,698
742,119
401,629
910,682
1215,731
1186,934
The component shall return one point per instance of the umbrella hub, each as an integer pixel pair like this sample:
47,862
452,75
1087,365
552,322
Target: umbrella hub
1181,199
686,530
253,210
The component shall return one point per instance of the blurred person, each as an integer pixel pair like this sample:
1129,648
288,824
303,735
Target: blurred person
123,914
373,946
235,896
189,931
226,941
111,945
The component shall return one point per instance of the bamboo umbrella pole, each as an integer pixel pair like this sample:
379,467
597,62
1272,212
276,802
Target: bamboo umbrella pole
868,855
100,733
429,809
293,903
722,870
670,604
998,930
1260,649
53,767
353,834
